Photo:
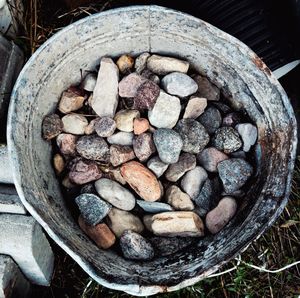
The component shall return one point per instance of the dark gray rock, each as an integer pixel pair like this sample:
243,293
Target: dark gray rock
143,146
222,107
231,119
206,88
211,119
89,189
227,139
52,126
105,127
154,207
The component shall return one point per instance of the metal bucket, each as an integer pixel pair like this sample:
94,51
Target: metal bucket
231,65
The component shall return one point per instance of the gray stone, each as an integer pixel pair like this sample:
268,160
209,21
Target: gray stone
227,140
136,247
179,84
165,112
121,138
157,166
52,126
105,127
222,107
185,163
26,243
124,119
88,188
115,194
248,132
74,124
210,157
143,146
193,134
6,169
154,207
168,144
238,154
195,107
231,119
234,173
141,62
146,96
92,208
206,88
129,85
211,119
178,199
89,82
10,201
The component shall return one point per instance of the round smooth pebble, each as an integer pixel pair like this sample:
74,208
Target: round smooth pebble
58,163
207,89
121,138
234,173
157,166
211,119
67,143
114,193
140,125
193,135
136,247
179,84
89,82
124,119
231,119
129,85
178,199
141,62
210,157
227,139
168,144
143,146
219,217
154,207
146,96
120,154
74,124
105,127
52,126
248,132
71,100
92,208
195,107
125,63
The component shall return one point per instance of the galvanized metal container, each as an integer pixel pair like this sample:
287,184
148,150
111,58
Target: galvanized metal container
231,65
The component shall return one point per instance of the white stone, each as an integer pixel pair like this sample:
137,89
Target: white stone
10,201
157,166
121,138
89,82
74,124
248,132
141,62
195,107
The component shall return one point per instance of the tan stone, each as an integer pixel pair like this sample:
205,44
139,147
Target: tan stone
125,63
124,119
58,163
140,125
70,101
195,107
178,199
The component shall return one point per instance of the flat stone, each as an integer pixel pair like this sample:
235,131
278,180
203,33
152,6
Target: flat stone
154,207
90,129
58,163
136,247
121,138
52,126
193,180
219,217
100,233
231,119
179,84
67,143
206,88
105,96
119,221
93,147
89,82
162,65
157,166
178,199
125,63
124,119
143,146
211,119
105,127
176,170
140,125
129,85
120,154
248,132
74,124
141,62
195,107
71,100
234,173
165,112
193,135
146,96
210,157
114,193
10,201
227,140
168,144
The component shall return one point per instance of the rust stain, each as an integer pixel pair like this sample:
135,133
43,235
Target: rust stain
261,65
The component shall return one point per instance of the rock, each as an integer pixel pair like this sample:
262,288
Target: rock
90,129
74,124
165,112
177,223
143,146
93,147
100,233
176,170
117,176
89,82
146,96
206,88
154,207
222,107
58,163
142,181
193,180
120,154
125,63
210,157
121,138
219,217
52,126
162,65
157,166
195,107
236,194
140,125
84,171
178,199
193,135
165,246
66,182
248,132
147,220
227,139
129,85
136,247
67,143
105,96
168,144
141,62
124,119
92,208
238,154
231,119
71,100
119,221
179,84
234,173
211,119
105,127
114,193
88,188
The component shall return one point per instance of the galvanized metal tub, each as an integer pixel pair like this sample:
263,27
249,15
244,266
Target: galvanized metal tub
231,65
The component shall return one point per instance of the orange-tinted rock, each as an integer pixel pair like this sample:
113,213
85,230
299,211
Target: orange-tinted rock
140,125
120,154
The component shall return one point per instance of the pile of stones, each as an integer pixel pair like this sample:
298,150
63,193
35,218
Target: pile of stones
152,154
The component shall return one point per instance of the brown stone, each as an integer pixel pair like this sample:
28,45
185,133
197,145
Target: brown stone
67,143
143,146
52,126
58,163
125,63
140,125
178,199
129,85
120,154
146,96
71,100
